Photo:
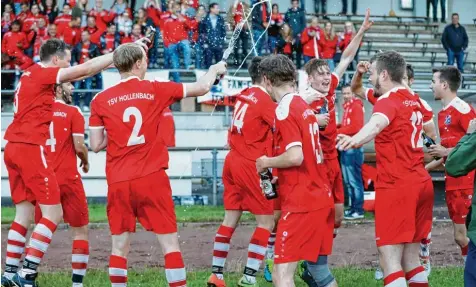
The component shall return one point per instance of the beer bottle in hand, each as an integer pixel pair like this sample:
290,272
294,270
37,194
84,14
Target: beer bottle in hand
427,141
322,111
269,189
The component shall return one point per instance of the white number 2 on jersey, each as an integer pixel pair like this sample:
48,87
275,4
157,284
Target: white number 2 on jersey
51,141
417,119
239,116
313,130
134,139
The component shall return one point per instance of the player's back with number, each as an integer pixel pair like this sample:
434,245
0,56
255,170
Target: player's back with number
399,146
33,104
130,113
250,132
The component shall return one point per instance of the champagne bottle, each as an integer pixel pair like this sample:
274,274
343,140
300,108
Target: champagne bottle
269,189
323,110
150,34
427,141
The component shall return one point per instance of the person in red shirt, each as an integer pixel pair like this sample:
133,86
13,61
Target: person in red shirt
307,218
344,40
310,38
63,20
65,142
8,9
50,9
249,138
103,16
14,43
137,158
453,122
110,40
352,160
71,34
52,33
93,30
32,19
236,15
25,12
135,35
32,178
41,32
404,189
285,41
328,44
6,22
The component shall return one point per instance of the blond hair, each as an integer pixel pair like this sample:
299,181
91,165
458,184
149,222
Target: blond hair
126,55
332,35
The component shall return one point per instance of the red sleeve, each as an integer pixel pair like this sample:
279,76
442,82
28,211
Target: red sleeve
369,95
109,17
305,37
356,118
466,118
269,110
51,75
426,111
77,125
288,127
4,43
169,92
95,121
192,24
387,108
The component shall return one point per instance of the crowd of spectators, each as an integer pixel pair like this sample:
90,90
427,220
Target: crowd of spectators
193,36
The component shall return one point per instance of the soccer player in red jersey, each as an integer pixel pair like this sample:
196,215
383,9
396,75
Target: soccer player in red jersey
31,176
404,190
305,228
453,122
428,127
138,187
249,137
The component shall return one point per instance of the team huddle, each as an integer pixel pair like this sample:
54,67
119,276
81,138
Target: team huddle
274,129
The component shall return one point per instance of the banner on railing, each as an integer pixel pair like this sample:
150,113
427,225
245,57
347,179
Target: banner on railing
111,78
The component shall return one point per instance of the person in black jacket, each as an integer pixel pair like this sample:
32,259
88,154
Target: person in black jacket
260,17
212,31
455,42
83,52
296,18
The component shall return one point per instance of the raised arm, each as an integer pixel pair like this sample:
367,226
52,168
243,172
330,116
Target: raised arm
205,82
356,84
349,53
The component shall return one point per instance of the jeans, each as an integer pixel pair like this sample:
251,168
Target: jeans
184,45
322,3
272,42
354,6
243,38
153,52
199,57
213,54
470,267
167,58
259,45
297,47
85,84
434,3
352,161
459,59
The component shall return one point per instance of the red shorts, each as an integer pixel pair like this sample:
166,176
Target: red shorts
149,199
335,177
31,177
242,186
304,235
73,201
459,202
403,214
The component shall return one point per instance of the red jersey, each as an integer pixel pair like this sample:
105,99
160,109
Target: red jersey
10,41
327,47
95,34
353,119
329,135
102,18
154,14
32,19
238,16
250,133
22,16
167,127
62,22
310,45
453,122
39,40
71,35
130,39
68,121
176,31
306,187
130,112
399,146
33,105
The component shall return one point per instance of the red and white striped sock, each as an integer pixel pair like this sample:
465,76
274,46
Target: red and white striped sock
39,242
417,277
425,247
270,247
175,270
79,261
256,252
15,247
220,249
464,252
396,279
118,271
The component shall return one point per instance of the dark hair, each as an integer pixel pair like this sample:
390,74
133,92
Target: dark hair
108,25
392,62
254,71
344,86
66,4
451,75
454,14
410,72
86,30
212,5
275,5
293,1
53,47
16,22
314,65
279,69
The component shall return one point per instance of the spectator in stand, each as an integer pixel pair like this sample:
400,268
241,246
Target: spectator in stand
235,16
50,9
198,39
124,24
344,7
276,23
345,39
40,34
146,22
328,45
176,38
81,53
110,39
6,22
25,13
455,42
134,36
285,41
94,32
52,32
83,6
296,18
213,30
163,17
260,17
310,40
32,19
72,32
353,159
152,8
8,9
120,7
13,44
63,20
187,9
103,16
